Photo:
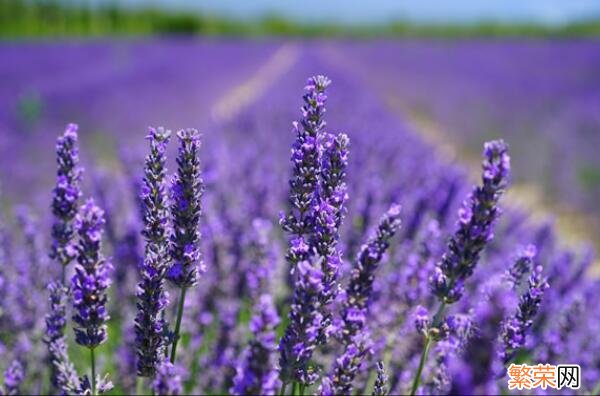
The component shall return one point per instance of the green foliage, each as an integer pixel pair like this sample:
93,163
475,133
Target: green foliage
38,18
589,176
29,109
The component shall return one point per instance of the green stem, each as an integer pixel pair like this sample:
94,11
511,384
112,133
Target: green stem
139,386
424,354
596,390
294,388
178,324
428,341
302,387
282,390
437,318
93,361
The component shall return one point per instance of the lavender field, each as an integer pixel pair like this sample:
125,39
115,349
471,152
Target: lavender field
348,220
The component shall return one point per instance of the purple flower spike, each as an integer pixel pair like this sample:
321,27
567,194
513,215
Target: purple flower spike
380,387
301,335
150,326
328,219
347,365
521,266
186,193
65,196
64,376
310,220
255,374
91,278
167,380
514,329
358,292
13,378
305,160
475,226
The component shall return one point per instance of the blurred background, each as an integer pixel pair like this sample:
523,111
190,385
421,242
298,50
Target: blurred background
457,73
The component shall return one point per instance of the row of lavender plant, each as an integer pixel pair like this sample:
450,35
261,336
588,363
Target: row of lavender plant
316,312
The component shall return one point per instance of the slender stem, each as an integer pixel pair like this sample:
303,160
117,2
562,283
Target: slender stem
428,341
437,318
424,354
302,387
294,388
596,390
178,324
282,390
139,386
93,361
63,277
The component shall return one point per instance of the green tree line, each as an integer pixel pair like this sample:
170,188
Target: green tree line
31,18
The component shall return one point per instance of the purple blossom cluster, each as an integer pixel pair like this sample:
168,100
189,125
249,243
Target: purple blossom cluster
256,373
150,325
65,197
514,328
186,192
475,227
91,280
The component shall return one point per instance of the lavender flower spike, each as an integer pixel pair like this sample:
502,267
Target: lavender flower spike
65,196
346,367
305,177
13,378
329,215
380,387
305,319
167,380
152,299
64,375
255,373
515,328
475,226
475,229
358,292
521,266
56,321
186,189
89,286
91,278
186,193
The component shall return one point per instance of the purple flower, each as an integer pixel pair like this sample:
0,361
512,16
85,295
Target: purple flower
514,329
305,318
358,292
332,195
521,266
167,380
305,161
13,378
256,373
150,325
64,376
301,335
475,226
91,278
356,303
380,387
186,193
422,320
346,366
65,196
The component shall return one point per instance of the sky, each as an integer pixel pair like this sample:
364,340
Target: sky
380,11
